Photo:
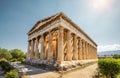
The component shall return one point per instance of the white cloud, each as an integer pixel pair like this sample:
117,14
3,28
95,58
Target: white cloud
108,47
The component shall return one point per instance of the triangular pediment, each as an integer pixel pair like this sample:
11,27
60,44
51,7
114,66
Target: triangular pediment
44,21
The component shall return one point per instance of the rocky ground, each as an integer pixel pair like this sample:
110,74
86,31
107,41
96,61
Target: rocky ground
86,72
1,73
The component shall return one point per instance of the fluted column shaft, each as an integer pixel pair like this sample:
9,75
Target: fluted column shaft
79,48
96,53
69,46
36,51
29,51
75,47
60,56
32,49
42,55
50,54
83,49
86,51
90,52
85,56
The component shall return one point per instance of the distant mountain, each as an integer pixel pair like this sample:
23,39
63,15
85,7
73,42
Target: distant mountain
108,53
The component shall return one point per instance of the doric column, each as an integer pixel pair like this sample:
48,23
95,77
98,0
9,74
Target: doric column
50,54
83,49
79,47
29,51
60,54
96,53
85,54
32,49
42,56
88,52
82,57
75,47
91,53
69,46
36,51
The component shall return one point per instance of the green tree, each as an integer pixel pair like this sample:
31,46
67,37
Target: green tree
5,54
12,74
109,67
116,56
6,66
18,55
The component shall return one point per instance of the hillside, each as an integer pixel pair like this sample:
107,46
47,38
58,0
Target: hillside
108,53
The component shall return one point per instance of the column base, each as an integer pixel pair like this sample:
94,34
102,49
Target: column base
59,66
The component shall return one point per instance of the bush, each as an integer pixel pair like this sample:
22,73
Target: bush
4,53
17,55
12,74
6,66
21,59
109,67
116,56
13,60
3,59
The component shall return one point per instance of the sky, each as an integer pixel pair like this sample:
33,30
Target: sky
100,19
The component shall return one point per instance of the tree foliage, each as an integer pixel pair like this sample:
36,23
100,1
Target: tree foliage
18,55
109,67
116,56
6,66
12,55
5,54
12,74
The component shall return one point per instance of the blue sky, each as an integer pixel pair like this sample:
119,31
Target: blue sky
101,23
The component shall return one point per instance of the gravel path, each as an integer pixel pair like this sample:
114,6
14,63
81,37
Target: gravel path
86,72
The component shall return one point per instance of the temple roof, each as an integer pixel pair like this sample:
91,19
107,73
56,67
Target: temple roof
45,20
53,17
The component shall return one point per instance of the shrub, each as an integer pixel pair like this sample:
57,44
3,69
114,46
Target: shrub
3,59
21,59
13,60
116,56
17,55
6,66
12,74
109,67
4,53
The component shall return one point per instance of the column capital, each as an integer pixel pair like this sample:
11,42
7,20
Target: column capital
60,27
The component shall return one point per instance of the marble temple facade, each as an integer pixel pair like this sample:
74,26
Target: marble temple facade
58,41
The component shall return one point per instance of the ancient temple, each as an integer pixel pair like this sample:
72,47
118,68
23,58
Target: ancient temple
58,41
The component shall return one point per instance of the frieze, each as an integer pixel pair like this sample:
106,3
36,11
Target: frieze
75,31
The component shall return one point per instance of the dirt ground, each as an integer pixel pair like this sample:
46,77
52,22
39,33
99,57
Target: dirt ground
86,72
